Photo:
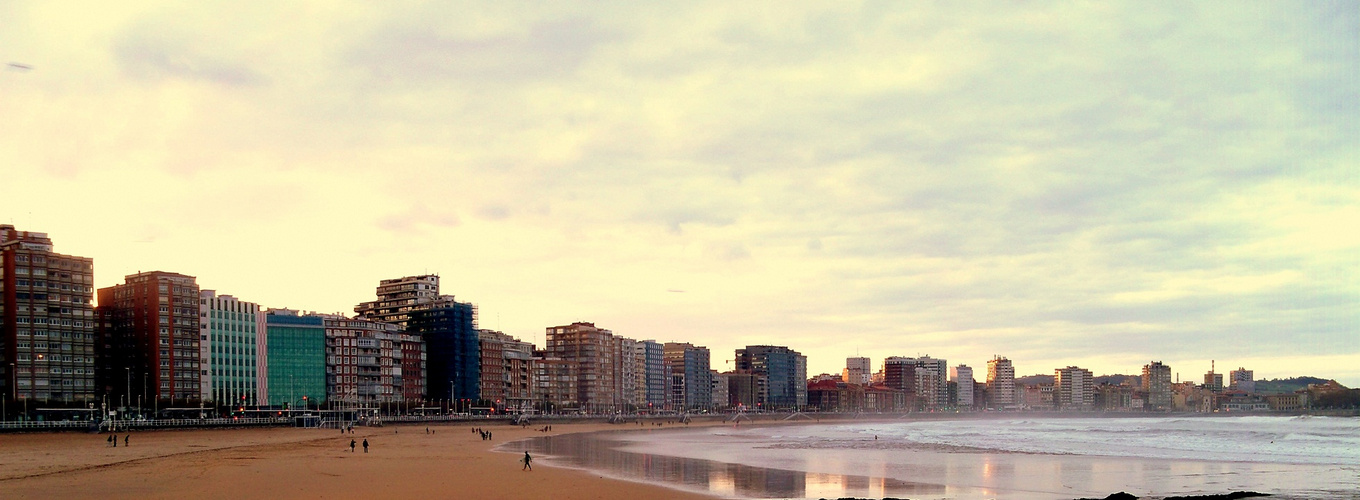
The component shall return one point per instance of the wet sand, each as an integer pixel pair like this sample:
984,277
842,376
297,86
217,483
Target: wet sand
403,461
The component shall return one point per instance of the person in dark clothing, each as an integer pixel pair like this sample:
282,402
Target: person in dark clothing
125,439
526,462
351,446
365,445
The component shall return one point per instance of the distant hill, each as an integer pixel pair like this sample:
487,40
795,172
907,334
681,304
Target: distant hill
1286,385
1134,380
1034,379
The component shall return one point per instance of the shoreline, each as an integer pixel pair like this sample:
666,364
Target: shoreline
704,469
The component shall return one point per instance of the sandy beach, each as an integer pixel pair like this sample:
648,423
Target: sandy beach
403,461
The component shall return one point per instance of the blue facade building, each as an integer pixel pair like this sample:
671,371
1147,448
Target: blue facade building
784,368
452,349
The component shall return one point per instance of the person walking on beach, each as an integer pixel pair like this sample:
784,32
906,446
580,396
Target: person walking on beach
527,459
125,440
365,445
351,445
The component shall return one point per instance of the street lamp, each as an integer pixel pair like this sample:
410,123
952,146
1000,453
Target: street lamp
13,393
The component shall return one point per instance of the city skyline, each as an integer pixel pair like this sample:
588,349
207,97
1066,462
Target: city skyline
1095,186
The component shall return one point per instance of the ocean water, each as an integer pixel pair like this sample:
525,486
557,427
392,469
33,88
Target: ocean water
963,458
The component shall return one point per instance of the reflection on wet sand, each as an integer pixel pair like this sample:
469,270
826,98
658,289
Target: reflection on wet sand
598,452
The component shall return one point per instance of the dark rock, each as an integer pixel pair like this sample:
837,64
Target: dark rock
1114,496
1225,496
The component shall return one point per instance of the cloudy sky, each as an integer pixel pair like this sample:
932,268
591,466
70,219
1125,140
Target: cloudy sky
1100,185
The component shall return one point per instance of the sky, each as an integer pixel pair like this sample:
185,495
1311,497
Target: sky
1099,184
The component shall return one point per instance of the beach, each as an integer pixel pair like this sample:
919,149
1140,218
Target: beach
587,461
403,461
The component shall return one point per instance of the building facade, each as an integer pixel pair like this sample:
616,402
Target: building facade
1074,389
452,357
1242,379
962,376
592,349
229,335
1157,385
626,371
152,322
295,370
925,379
857,371
687,372
1001,384
364,362
785,370
47,324
651,374
555,381
506,371
397,297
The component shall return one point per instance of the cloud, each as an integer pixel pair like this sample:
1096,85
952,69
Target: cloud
416,219
423,53
1038,182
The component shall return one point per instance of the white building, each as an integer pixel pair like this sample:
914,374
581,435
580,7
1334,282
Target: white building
962,376
231,333
1242,379
857,371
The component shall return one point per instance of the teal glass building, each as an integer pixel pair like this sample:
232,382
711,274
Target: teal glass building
295,352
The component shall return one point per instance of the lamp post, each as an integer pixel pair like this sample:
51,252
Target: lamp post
128,399
13,393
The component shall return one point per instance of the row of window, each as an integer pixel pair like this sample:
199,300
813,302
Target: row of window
52,285
59,263
42,382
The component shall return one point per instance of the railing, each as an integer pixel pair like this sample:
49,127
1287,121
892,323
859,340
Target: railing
39,425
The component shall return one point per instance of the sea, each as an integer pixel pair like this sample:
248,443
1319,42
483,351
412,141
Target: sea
980,457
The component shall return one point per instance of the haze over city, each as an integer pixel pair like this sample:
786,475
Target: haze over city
1096,185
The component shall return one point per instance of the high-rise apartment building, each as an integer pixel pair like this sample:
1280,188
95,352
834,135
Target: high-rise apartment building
364,362
1001,384
47,332
626,373
229,341
452,360
925,378
1157,385
1074,389
492,369
507,370
592,349
784,368
857,371
688,377
295,368
651,374
447,327
555,384
962,376
152,326
398,297
1242,379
